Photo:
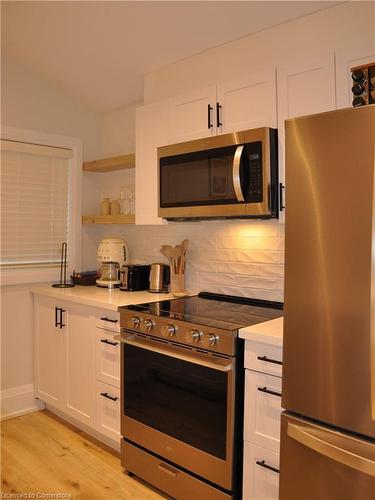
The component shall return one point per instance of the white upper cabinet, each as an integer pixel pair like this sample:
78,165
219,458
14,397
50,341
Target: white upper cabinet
241,104
345,60
152,131
193,115
304,87
247,103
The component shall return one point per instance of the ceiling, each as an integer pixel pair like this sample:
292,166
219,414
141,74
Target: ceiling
99,51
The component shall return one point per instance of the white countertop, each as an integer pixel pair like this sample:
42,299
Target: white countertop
100,297
270,332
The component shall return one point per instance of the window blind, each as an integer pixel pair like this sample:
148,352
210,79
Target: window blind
34,204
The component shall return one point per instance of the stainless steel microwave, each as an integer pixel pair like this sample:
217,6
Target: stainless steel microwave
228,176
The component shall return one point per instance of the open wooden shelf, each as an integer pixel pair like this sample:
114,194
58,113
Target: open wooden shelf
109,164
108,219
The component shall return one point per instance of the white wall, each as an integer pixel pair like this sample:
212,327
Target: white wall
347,25
118,131
29,102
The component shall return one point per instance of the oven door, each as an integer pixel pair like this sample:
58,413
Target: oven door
179,404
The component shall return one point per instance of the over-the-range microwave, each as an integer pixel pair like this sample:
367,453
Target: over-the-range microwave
228,176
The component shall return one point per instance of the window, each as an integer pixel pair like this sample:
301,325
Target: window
37,214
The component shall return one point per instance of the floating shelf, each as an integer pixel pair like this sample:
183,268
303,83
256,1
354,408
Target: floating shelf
108,219
109,164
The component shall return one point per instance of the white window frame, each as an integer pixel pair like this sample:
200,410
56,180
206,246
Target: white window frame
32,275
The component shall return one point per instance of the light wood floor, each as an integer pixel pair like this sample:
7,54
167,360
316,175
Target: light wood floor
41,453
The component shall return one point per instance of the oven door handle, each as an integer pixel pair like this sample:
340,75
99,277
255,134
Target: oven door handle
220,364
236,169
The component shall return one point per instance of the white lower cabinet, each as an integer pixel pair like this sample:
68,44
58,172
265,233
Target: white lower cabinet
77,364
261,481
262,421
108,410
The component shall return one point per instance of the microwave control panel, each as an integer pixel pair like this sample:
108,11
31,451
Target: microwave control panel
255,172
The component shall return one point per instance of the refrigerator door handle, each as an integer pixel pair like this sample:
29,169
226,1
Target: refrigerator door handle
307,438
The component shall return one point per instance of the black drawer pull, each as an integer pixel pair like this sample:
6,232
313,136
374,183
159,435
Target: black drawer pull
59,317
106,395
110,320
262,463
105,341
268,391
269,360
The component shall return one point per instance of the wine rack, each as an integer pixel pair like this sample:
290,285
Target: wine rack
363,88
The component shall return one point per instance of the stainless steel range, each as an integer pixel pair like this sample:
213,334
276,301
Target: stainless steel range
182,392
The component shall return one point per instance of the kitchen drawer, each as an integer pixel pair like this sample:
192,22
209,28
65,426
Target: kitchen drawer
263,358
259,482
262,410
108,320
108,410
107,358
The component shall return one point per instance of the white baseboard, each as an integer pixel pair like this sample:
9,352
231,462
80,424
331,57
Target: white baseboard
19,401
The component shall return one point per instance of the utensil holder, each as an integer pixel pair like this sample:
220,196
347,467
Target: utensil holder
177,283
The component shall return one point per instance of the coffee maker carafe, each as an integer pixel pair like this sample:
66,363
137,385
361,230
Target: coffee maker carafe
112,254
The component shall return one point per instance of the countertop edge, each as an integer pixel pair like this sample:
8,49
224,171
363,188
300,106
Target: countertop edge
269,332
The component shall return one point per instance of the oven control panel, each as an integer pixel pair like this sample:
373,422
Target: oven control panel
211,339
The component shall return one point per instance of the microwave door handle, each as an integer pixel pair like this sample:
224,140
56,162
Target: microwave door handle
236,169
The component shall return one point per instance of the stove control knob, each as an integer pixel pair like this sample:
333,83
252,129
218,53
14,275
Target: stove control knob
149,324
135,321
210,340
169,330
195,335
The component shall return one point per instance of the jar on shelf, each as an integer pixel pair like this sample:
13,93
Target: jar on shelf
105,207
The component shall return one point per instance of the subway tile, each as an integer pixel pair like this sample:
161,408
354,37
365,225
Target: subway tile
272,270
238,280
251,243
261,256
238,268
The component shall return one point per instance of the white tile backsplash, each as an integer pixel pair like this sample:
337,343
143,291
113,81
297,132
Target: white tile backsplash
244,258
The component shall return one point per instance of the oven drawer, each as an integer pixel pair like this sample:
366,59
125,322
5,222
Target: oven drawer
108,320
107,358
263,358
259,481
262,410
169,479
108,410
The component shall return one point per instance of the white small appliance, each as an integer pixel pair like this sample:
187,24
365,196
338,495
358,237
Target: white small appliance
112,254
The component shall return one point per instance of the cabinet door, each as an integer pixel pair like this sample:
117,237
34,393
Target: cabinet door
152,131
259,481
262,410
304,87
345,60
248,103
49,350
193,115
80,364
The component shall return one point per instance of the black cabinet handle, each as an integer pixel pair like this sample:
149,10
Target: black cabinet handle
59,317
105,341
281,196
218,108
269,360
110,320
262,463
209,109
268,391
106,395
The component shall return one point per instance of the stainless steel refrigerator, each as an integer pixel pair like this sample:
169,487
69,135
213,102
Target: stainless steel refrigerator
328,428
